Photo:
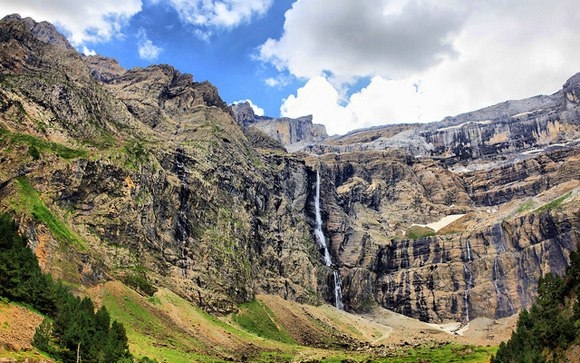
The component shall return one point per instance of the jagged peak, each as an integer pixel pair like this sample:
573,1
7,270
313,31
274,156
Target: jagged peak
43,31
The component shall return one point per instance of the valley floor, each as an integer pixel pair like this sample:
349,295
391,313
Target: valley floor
167,328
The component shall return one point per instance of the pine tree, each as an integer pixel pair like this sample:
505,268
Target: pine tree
553,322
76,329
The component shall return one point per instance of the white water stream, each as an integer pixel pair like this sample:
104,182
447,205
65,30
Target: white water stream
321,240
469,281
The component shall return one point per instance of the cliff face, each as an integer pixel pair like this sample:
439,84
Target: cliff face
288,131
165,179
486,262
112,171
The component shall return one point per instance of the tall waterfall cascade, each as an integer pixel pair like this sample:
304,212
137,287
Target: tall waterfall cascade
321,240
469,281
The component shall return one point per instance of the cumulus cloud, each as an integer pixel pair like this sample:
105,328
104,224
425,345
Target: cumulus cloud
401,100
218,13
424,59
257,110
84,21
147,50
354,38
320,99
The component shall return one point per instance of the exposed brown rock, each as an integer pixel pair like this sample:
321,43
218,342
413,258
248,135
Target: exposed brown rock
171,183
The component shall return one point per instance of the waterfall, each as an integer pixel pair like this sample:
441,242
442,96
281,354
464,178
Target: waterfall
321,240
468,248
469,280
469,277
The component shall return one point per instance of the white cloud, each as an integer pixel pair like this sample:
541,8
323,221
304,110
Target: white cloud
84,21
218,13
463,59
320,99
354,38
147,50
401,100
87,51
272,82
257,110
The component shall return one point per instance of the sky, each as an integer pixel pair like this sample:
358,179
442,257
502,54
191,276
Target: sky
351,64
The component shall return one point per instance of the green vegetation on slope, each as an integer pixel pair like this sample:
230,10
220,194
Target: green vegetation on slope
72,329
555,203
138,280
416,232
258,319
527,205
432,353
38,146
151,333
32,203
552,324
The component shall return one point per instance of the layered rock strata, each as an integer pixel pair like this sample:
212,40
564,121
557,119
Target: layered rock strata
112,171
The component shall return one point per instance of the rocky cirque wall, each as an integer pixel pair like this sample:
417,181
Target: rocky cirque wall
486,266
162,180
510,126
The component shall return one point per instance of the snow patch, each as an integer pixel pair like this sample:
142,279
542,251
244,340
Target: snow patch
443,222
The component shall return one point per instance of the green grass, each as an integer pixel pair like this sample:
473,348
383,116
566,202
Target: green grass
267,357
149,334
416,232
448,353
32,203
33,355
152,334
555,203
136,154
526,206
38,146
257,318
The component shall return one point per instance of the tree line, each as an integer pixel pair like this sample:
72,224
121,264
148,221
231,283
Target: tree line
73,329
552,325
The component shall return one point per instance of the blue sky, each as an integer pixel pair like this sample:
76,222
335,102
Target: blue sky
227,57
351,64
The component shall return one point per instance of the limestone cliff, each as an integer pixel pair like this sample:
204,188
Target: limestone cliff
113,172
293,133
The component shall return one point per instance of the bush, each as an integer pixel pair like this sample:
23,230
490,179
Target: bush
139,282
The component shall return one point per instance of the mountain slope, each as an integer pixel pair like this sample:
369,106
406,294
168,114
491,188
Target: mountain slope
144,175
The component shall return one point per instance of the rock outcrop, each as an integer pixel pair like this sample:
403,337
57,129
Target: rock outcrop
112,171
291,132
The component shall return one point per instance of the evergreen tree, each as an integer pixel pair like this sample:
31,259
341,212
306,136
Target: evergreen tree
551,325
72,327
42,336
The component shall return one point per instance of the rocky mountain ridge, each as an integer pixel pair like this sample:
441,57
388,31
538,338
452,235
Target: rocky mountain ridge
502,129
292,133
112,171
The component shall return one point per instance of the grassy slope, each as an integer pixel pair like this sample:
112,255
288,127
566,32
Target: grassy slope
167,327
